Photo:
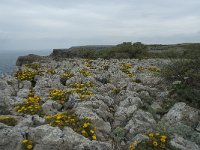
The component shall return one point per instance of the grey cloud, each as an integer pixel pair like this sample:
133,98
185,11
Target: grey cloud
39,24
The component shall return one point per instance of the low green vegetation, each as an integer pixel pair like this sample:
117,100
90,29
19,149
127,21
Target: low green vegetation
124,50
8,120
184,74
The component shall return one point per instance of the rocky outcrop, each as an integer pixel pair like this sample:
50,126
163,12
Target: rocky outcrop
122,106
29,59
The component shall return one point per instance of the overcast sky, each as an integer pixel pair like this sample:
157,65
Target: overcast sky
48,24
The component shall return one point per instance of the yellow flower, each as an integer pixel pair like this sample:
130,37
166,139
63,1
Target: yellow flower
72,120
86,118
131,147
91,131
150,134
29,147
155,143
59,117
24,141
57,121
85,125
94,137
162,140
17,107
19,110
163,137
157,134
83,132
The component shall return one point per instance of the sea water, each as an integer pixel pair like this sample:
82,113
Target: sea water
8,58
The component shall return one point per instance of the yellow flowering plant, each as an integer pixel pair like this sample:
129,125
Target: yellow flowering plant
88,63
26,74
58,95
70,119
126,69
8,120
85,72
81,89
27,144
35,66
156,141
31,106
49,71
140,69
154,69
65,76
116,90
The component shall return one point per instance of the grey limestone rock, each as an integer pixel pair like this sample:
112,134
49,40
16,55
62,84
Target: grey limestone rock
51,107
10,139
181,143
181,112
141,122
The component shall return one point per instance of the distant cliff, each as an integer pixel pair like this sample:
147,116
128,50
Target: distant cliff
95,51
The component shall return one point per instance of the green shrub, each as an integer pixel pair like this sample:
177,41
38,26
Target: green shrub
185,70
116,90
187,94
87,53
165,54
193,54
124,50
187,73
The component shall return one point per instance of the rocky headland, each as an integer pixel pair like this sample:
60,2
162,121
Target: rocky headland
85,104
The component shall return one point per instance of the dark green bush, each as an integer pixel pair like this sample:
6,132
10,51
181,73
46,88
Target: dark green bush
187,72
124,50
87,53
165,54
192,54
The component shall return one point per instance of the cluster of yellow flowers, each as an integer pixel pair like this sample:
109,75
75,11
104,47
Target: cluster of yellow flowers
67,75
35,66
140,68
88,63
49,71
81,85
26,74
70,119
58,95
154,69
133,145
116,90
8,120
126,69
157,140
85,72
27,144
30,106
81,89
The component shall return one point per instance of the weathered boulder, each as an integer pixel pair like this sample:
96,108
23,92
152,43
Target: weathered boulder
181,112
10,138
23,93
48,137
140,122
51,107
181,143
